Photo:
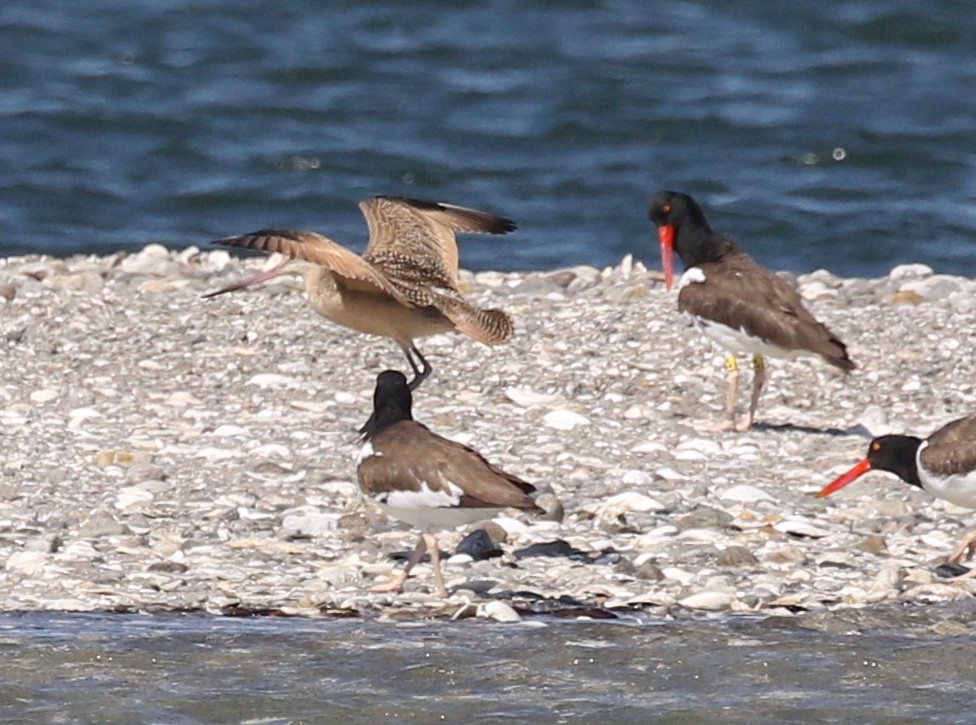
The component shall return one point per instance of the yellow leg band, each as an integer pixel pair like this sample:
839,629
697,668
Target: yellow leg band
758,363
730,364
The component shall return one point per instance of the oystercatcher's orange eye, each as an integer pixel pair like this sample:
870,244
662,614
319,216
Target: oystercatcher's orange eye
666,209
875,446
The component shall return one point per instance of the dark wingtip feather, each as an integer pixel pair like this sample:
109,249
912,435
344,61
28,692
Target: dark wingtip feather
503,226
839,358
845,364
484,221
223,291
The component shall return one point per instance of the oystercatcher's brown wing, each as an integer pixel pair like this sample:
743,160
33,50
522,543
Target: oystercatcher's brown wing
952,448
741,294
407,456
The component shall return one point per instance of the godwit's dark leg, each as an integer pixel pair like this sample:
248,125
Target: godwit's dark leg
421,371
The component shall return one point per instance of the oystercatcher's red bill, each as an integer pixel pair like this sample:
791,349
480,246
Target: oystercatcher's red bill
665,233
852,475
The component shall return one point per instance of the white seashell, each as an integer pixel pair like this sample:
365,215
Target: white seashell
132,496
44,395
632,501
273,380
231,430
499,611
711,601
528,398
633,477
682,576
669,474
649,447
562,419
702,445
311,406
214,454
271,450
800,527
744,493
27,562
704,535
309,522
638,412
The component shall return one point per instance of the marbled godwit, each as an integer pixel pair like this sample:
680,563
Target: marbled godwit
404,286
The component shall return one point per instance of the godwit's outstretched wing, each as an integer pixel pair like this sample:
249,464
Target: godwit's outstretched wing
414,239
356,272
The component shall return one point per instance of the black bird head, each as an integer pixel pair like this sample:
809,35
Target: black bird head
392,402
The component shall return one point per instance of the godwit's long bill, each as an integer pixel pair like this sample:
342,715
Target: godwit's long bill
427,481
735,301
404,286
944,465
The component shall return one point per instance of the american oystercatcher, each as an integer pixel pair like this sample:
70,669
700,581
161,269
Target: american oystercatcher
735,301
404,286
944,465
427,481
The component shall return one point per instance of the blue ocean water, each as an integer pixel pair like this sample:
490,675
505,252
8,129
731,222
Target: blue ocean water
836,134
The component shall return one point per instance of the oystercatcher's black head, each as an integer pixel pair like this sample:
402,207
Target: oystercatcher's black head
893,453
392,402
673,213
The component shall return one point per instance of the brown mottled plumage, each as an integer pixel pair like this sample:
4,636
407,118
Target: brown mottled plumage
404,286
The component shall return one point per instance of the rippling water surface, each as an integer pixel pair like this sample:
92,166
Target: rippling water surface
125,669
836,133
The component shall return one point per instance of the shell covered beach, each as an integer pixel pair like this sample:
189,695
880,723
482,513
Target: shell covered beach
164,452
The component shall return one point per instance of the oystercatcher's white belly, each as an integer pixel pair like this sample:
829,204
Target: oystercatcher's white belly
437,518
735,340
431,509
959,488
731,339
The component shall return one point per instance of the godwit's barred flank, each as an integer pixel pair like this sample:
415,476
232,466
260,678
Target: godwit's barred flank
944,465
425,480
404,286
735,301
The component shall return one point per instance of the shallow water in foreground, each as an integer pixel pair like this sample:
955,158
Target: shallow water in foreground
898,666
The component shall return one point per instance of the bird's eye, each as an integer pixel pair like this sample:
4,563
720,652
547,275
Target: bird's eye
875,446
666,209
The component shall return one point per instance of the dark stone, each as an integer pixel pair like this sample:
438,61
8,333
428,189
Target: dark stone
735,556
560,547
873,543
557,547
101,525
479,546
168,567
704,517
947,571
649,571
